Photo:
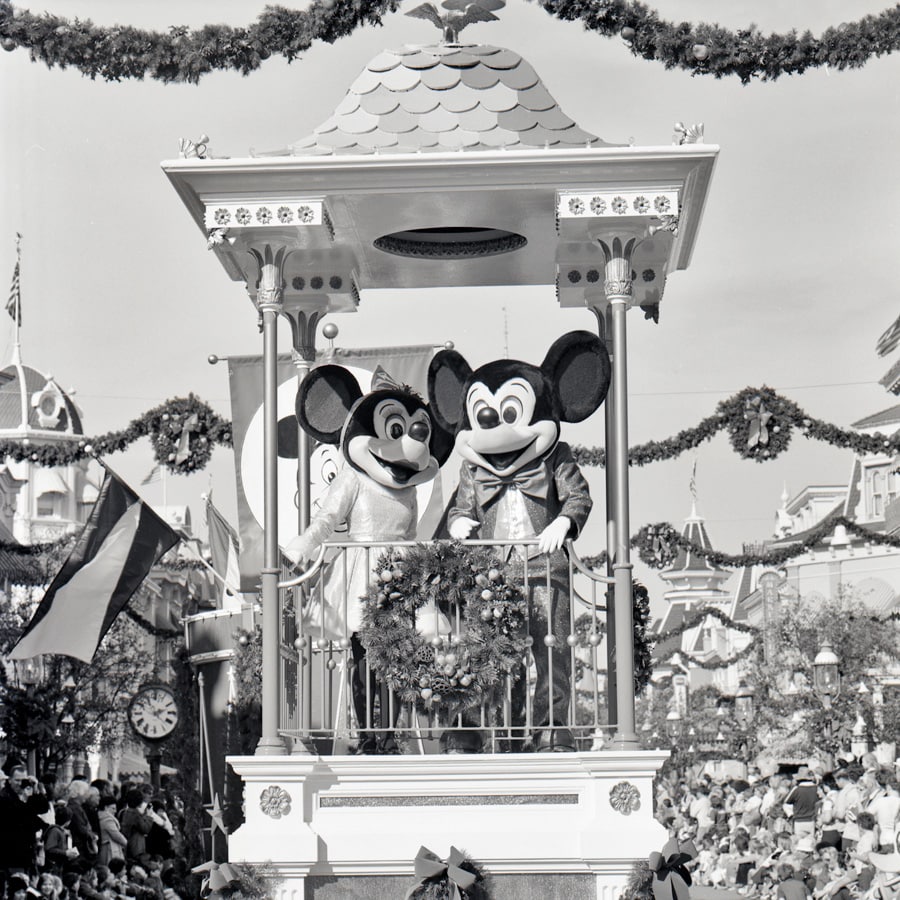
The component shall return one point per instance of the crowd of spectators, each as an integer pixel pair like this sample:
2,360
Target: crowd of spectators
809,834
89,841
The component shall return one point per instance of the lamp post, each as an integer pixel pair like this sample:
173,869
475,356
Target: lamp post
31,673
827,679
674,725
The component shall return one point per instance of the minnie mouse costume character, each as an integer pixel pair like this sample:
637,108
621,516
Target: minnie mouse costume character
390,445
519,481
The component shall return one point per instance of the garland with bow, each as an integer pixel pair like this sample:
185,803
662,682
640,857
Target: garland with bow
658,545
445,673
759,423
183,432
185,55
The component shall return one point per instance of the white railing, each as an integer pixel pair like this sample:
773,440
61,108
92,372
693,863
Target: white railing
331,700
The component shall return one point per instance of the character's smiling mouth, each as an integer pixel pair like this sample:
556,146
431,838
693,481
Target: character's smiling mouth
504,460
399,472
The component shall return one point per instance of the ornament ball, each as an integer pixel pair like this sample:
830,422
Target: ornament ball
701,52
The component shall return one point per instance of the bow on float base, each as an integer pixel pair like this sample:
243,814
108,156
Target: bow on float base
430,865
218,877
671,879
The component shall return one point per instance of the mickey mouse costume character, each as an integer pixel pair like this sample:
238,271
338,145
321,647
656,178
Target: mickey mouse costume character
519,481
390,444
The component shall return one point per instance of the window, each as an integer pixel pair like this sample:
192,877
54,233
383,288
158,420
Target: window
47,506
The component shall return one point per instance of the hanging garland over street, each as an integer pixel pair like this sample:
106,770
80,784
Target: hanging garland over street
693,622
183,432
182,54
759,423
658,545
708,49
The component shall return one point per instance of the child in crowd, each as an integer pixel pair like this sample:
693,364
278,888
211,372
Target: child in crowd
790,887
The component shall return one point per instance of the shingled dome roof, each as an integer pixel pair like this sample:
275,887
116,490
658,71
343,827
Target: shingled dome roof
445,97
32,400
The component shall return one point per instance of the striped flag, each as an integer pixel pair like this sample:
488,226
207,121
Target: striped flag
121,541
224,547
14,301
889,340
154,475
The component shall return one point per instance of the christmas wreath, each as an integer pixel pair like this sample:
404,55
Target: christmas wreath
180,433
453,672
758,422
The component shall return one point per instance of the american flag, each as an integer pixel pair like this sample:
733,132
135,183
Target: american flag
14,303
889,340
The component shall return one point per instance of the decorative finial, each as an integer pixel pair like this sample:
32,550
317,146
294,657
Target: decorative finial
188,149
462,13
688,134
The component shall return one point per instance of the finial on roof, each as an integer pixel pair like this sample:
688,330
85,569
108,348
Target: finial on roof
462,13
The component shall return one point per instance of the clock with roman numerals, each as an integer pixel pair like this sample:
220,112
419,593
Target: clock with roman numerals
153,712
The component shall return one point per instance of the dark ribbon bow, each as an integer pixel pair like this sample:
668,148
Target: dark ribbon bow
184,443
758,417
671,879
532,481
429,865
659,544
218,877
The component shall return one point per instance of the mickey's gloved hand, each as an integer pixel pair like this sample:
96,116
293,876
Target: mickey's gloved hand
555,534
462,527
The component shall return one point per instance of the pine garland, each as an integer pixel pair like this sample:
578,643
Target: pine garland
708,49
183,432
759,423
182,54
185,55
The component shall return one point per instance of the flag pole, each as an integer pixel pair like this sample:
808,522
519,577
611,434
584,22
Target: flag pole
187,543
18,294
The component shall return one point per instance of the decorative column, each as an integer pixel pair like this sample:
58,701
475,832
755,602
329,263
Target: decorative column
269,301
615,249
618,292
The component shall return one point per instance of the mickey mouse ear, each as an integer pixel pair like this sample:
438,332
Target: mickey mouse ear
578,365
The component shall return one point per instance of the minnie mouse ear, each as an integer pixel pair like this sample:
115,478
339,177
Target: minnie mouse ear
324,400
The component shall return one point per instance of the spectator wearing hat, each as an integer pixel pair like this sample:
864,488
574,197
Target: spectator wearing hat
801,801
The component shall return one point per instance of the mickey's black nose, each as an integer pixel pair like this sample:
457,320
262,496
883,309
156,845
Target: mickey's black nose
419,431
487,417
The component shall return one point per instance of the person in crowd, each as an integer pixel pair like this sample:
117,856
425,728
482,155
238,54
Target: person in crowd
790,887
20,805
58,847
136,825
47,886
159,839
802,800
112,841
17,887
865,846
83,835
886,808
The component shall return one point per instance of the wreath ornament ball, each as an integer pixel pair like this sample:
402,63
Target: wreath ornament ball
444,673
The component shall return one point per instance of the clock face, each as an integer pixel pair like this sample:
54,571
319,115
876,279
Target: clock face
153,712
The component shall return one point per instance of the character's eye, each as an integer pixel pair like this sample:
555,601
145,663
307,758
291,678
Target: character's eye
329,471
511,410
395,427
420,431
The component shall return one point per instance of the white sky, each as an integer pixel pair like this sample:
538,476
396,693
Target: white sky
793,278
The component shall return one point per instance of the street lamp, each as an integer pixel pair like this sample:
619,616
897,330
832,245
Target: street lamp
30,672
673,724
827,679
826,674
743,703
